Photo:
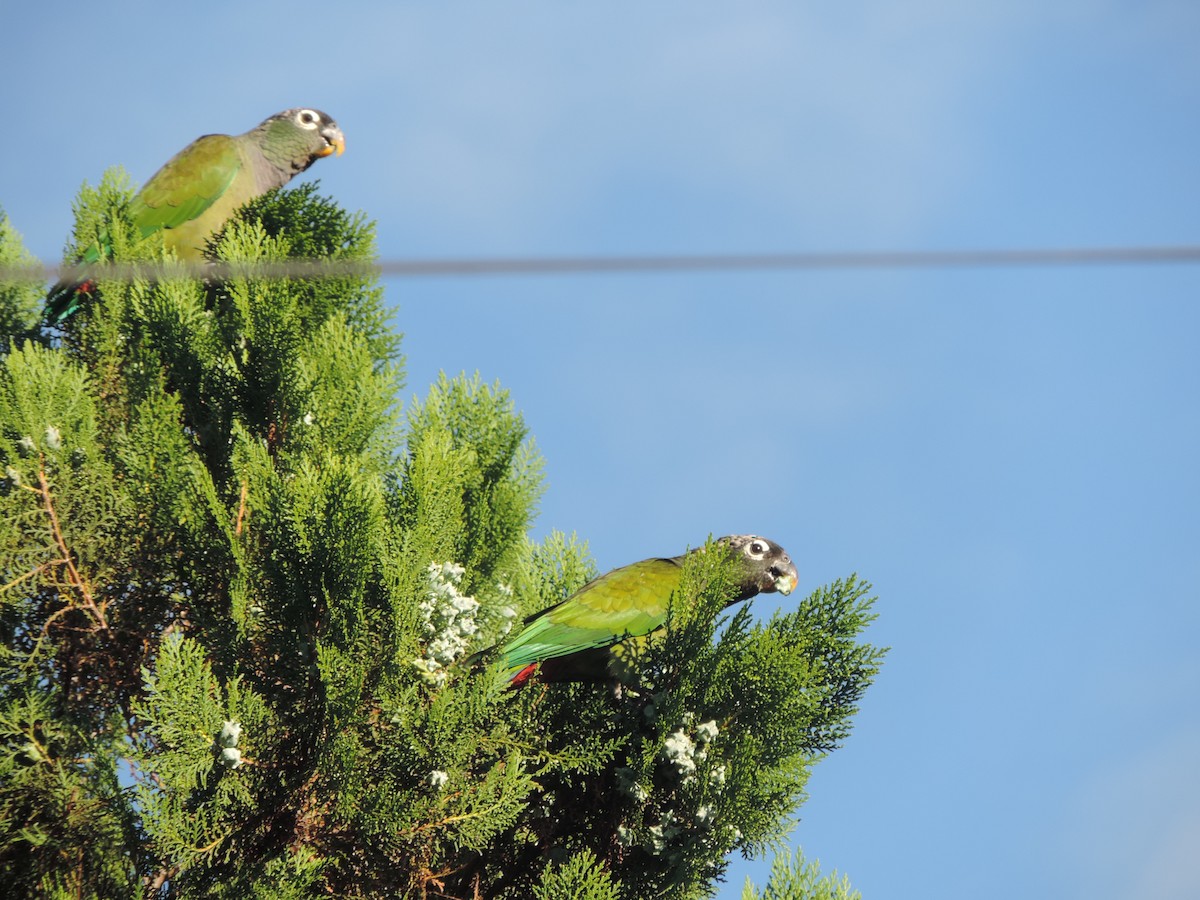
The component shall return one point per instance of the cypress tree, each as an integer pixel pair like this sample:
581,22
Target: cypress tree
239,585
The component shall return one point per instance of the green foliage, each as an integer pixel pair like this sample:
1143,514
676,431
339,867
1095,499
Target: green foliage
189,723
242,596
64,824
20,300
329,233
102,220
471,470
794,879
580,878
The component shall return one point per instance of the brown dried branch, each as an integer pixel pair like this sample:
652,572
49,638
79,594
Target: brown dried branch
241,513
154,885
73,575
32,573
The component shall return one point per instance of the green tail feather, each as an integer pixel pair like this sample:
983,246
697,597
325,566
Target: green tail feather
67,297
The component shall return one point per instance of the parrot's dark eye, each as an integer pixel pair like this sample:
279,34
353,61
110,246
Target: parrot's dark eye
307,118
757,549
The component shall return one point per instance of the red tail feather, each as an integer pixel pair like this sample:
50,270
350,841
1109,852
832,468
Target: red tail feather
522,678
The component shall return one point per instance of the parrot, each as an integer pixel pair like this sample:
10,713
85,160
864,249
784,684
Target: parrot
192,196
581,637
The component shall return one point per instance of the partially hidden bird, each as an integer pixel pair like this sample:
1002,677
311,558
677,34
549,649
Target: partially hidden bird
191,197
589,635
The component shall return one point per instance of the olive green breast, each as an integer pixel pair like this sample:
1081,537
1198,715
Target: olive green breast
194,194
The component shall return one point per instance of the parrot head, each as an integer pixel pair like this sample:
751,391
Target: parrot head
329,135
768,567
307,134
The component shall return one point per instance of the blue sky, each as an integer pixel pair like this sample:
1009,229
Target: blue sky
1010,455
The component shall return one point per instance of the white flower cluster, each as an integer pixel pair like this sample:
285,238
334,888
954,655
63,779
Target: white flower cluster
449,621
231,756
26,446
506,613
658,836
682,752
628,784
665,838
679,828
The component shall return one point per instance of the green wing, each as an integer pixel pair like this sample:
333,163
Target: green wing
191,181
180,192
625,602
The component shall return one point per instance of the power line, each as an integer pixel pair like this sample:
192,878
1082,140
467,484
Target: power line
599,265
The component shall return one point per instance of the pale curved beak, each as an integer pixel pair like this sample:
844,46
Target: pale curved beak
337,142
785,581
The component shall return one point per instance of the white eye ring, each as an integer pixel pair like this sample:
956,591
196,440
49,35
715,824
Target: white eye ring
757,549
306,118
